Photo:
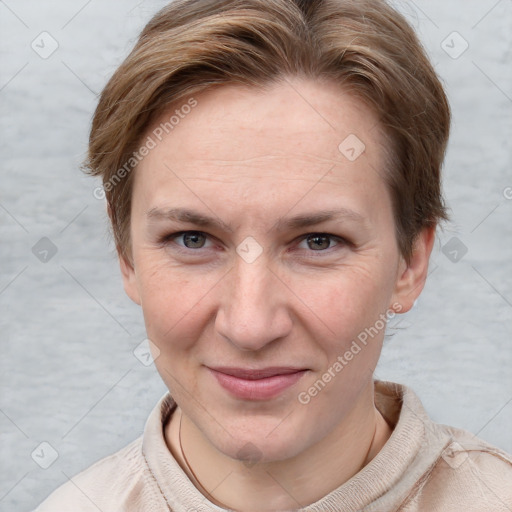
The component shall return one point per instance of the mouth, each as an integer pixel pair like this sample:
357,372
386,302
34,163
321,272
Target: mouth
257,384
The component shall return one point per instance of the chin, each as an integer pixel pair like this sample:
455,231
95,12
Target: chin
260,451
261,444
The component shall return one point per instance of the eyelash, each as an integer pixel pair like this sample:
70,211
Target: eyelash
165,240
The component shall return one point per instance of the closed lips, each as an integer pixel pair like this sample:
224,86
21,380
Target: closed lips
264,373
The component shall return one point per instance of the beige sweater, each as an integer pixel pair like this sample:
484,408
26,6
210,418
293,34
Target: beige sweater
424,466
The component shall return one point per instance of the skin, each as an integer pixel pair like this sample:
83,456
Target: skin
249,158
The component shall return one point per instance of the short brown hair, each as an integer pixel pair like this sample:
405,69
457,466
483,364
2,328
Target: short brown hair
364,45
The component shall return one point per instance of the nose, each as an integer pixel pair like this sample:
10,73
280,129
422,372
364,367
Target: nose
254,310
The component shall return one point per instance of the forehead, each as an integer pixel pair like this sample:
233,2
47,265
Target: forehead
295,114
292,132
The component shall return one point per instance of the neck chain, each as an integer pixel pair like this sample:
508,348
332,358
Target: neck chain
194,477
206,493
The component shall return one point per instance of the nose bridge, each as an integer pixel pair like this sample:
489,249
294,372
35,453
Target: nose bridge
252,313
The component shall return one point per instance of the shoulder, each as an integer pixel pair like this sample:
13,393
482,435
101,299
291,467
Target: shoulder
123,481
109,484
469,474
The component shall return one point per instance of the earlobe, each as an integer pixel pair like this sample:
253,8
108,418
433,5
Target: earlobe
129,278
127,269
411,277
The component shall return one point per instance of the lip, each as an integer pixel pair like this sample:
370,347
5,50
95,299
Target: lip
257,384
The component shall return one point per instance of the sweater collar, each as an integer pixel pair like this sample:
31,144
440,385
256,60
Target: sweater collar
383,484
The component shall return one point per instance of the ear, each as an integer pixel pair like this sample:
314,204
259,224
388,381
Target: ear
411,277
129,278
127,270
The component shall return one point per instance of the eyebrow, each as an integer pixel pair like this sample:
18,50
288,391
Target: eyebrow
296,222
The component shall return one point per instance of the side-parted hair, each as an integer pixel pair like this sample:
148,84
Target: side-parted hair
364,45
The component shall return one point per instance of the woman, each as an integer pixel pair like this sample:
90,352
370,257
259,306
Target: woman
272,174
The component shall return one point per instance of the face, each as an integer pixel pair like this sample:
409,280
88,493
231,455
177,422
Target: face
261,254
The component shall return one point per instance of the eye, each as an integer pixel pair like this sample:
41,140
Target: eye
191,239
320,242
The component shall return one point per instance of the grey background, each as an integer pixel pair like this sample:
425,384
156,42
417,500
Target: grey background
69,376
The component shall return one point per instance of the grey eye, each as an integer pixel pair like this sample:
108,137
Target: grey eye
193,240
318,242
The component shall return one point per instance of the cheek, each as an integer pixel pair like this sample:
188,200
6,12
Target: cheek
171,301
349,299
350,310
163,293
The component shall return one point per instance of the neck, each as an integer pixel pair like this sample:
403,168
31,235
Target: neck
279,485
